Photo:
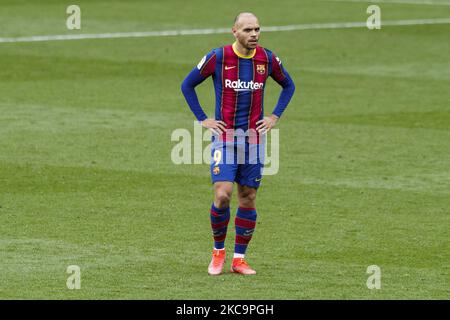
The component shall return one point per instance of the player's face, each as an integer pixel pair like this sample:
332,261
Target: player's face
246,32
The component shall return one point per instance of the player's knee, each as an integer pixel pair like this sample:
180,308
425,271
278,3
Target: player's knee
223,198
251,196
247,199
248,196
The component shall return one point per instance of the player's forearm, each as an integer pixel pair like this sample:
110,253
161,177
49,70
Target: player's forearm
285,96
188,89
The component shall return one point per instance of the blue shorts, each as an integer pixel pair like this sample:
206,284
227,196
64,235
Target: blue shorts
237,162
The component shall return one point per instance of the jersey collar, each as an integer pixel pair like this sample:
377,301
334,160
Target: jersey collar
240,55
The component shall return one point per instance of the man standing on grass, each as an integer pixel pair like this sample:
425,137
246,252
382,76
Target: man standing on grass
239,72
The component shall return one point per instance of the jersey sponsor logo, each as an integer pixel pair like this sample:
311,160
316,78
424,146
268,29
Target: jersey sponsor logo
239,85
200,64
229,67
261,68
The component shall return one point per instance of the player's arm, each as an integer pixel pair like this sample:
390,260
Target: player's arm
282,77
203,70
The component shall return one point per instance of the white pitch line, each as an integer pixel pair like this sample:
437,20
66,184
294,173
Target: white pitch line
168,33
421,2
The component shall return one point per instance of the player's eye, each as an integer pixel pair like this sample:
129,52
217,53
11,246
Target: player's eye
257,29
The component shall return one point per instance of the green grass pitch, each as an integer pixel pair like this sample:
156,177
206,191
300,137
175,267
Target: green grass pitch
86,176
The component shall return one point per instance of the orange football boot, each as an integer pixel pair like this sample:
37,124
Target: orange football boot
239,265
218,259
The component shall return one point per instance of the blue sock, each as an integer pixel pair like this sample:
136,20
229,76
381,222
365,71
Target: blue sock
219,224
245,223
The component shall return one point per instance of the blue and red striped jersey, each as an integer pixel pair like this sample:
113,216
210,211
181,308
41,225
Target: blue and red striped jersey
239,83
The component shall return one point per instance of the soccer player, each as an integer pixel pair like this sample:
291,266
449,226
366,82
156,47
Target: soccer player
239,72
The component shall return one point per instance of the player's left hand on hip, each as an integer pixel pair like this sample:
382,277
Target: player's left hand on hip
264,125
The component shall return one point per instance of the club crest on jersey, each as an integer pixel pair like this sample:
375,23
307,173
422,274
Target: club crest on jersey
261,68
216,170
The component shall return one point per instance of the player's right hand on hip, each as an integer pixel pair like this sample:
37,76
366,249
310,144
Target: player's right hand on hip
216,126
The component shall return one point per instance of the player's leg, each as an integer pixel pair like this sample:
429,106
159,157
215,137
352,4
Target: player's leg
220,212
245,223
248,177
222,175
220,216
222,193
246,196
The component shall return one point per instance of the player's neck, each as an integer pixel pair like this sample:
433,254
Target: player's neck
243,52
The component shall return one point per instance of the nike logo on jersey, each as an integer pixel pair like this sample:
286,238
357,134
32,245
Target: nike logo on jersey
229,67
